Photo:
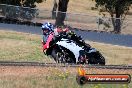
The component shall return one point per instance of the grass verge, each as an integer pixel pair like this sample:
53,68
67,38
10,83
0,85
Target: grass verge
16,46
114,54
49,77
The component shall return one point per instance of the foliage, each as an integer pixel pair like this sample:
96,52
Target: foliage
117,9
112,5
25,3
31,3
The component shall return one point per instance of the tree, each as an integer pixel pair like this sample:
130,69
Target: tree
62,8
54,10
30,3
11,2
59,11
25,3
117,10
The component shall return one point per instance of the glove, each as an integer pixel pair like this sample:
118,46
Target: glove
66,30
45,47
43,43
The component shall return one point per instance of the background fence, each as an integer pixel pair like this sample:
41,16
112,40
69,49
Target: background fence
75,20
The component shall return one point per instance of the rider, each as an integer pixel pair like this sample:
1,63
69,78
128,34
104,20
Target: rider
48,29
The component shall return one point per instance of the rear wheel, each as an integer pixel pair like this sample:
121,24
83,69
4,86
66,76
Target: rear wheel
96,58
101,60
82,59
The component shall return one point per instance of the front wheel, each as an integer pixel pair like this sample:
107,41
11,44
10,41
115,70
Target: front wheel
62,56
53,54
56,55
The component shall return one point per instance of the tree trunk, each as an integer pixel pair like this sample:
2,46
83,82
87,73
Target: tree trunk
113,21
117,27
54,10
62,8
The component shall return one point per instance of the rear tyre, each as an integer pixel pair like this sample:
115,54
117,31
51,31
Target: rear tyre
102,60
96,58
96,61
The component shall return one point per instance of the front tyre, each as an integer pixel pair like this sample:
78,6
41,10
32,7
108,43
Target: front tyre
54,54
63,56
58,56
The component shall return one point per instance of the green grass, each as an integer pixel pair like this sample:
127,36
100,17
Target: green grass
15,46
54,82
48,77
114,54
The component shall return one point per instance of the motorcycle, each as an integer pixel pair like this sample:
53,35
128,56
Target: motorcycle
70,48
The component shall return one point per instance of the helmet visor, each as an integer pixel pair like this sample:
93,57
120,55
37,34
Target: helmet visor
45,29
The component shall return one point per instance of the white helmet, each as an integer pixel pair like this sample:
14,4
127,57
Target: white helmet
48,26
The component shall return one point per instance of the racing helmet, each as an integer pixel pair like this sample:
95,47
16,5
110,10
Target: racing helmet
47,26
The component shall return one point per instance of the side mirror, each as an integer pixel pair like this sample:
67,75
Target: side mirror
80,37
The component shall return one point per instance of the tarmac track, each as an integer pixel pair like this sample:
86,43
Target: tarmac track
115,39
